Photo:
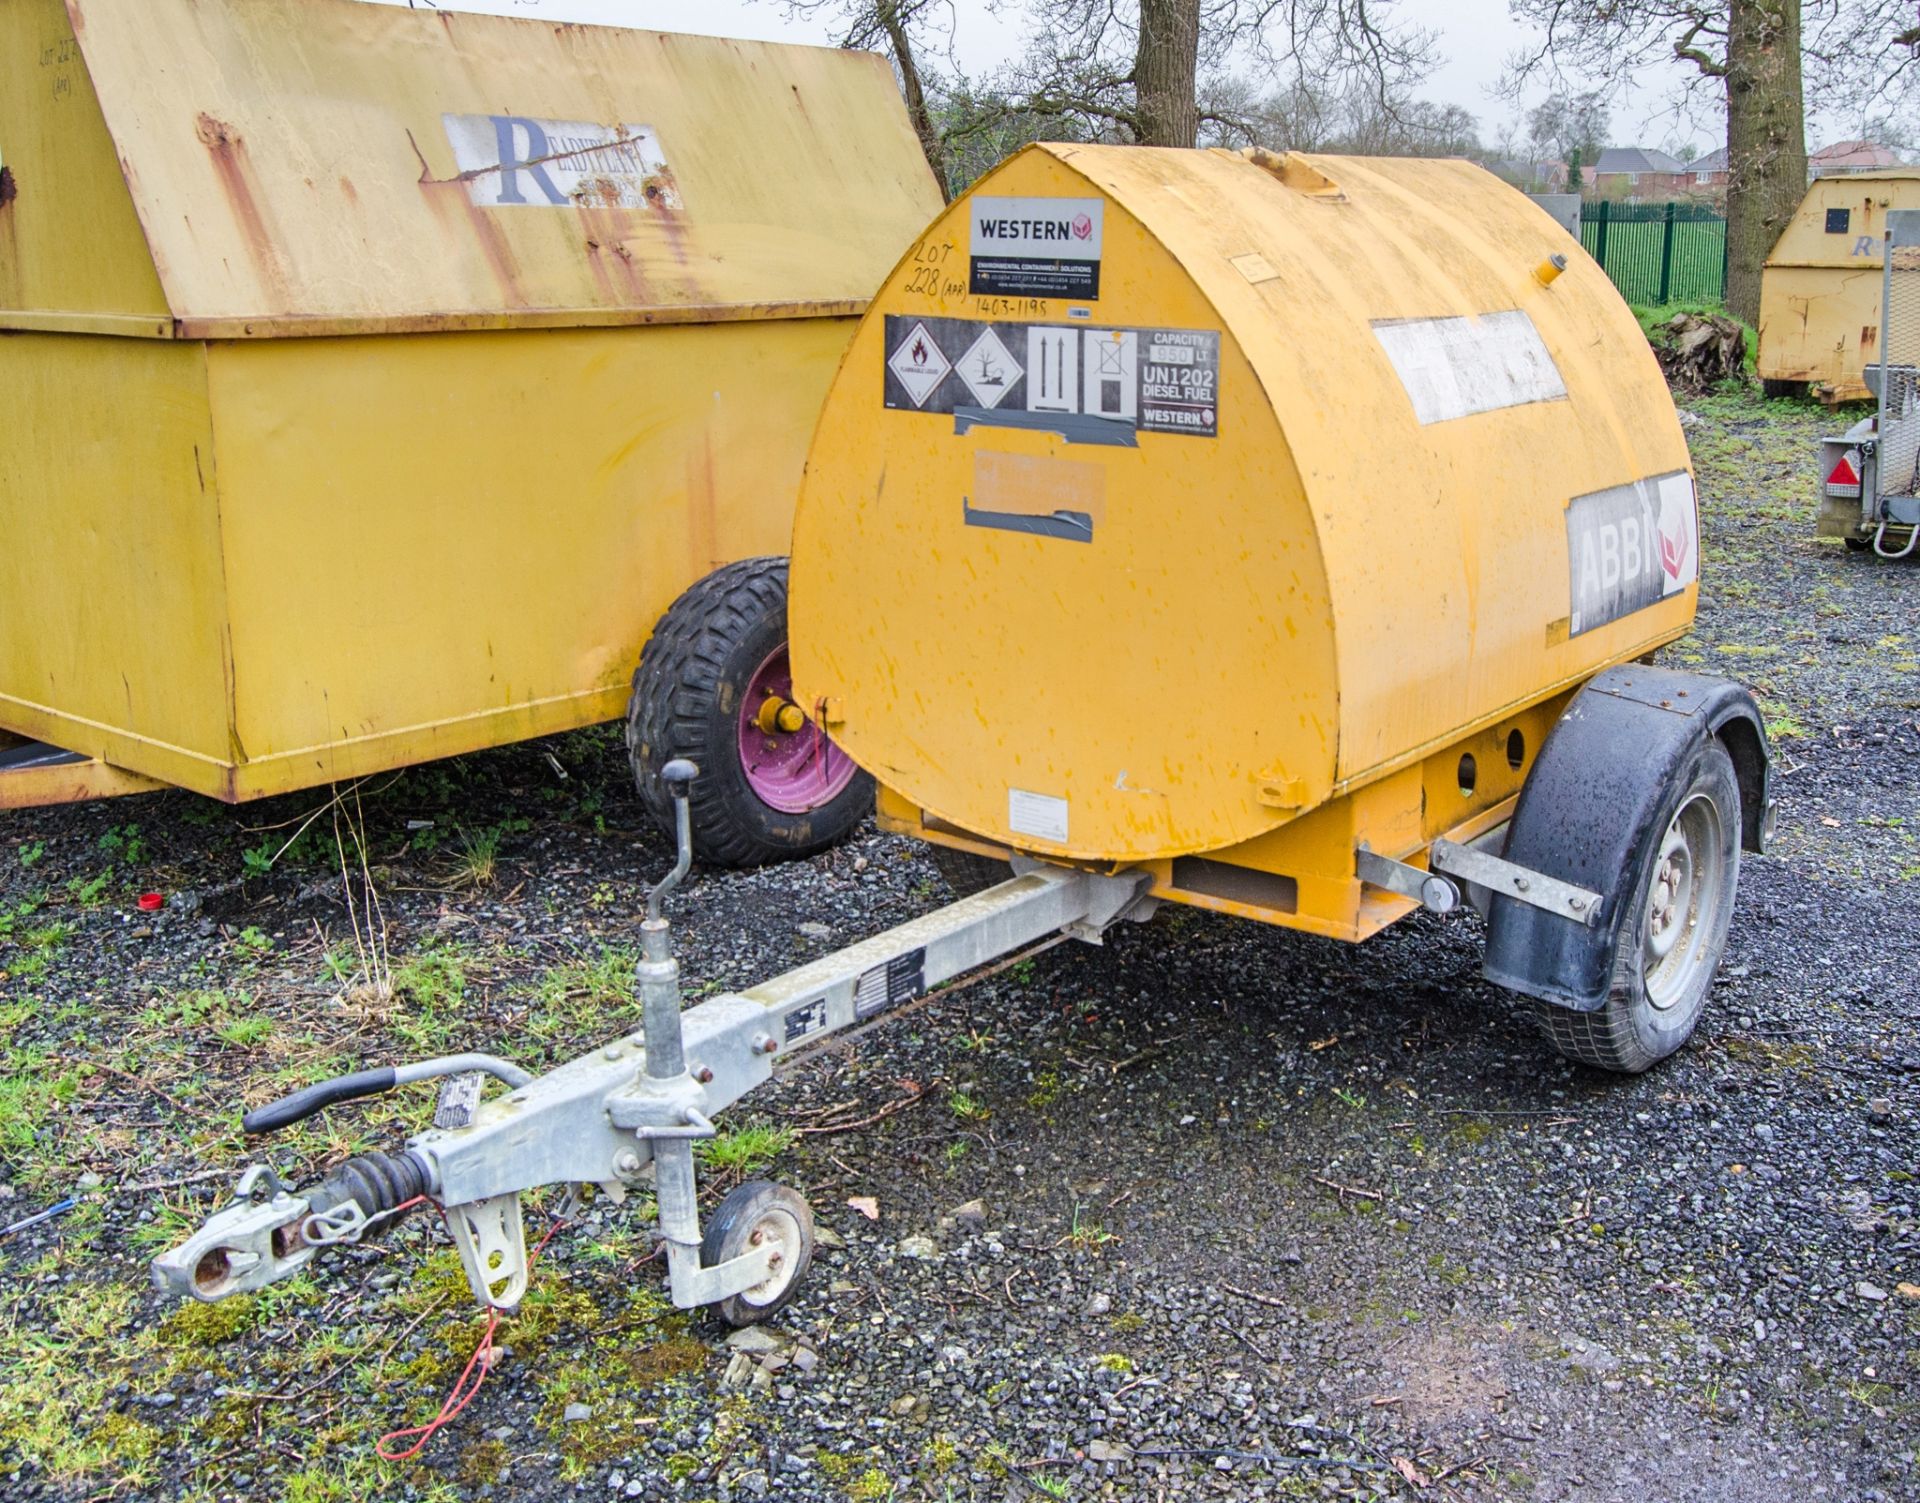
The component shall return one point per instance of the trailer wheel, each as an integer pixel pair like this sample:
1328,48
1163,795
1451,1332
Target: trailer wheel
751,1216
1675,933
968,872
1773,388
714,686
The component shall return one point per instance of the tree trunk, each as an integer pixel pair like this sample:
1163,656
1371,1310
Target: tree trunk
914,91
1766,140
1165,69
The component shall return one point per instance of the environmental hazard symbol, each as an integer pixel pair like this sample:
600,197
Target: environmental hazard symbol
989,369
918,364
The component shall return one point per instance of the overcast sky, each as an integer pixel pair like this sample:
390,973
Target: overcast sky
1476,38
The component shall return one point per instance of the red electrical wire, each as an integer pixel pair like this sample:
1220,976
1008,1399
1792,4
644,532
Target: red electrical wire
478,1366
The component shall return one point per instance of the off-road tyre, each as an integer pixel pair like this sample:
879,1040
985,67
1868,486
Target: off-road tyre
686,697
968,872
1783,388
1632,1033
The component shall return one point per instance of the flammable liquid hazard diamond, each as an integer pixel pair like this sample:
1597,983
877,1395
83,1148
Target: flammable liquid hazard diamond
918,364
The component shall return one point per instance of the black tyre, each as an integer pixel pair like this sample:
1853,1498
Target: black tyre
1858,545
752,1215
1675,930
968,872
1784,388
712,687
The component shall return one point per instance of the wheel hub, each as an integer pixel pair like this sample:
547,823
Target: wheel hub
1684,889
790,763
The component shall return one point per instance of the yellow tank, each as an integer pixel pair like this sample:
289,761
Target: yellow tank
1217,513
375,379
1820,292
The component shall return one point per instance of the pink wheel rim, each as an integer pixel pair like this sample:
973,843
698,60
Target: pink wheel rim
794,771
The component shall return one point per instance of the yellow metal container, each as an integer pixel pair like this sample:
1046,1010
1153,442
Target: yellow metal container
1820,292
1217,513
374,379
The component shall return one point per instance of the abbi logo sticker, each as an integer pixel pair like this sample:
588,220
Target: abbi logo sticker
1628,548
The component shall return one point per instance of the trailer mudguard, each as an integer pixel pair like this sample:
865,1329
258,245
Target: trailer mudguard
1604,786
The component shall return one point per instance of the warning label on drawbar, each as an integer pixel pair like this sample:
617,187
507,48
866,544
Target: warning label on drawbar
1151,380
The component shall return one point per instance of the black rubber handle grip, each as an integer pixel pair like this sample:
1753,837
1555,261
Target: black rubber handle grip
304,1103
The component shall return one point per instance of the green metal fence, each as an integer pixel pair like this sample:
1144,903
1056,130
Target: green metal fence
1658,253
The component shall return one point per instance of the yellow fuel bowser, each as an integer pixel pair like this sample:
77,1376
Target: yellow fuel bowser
1820,316
1281,535
374,381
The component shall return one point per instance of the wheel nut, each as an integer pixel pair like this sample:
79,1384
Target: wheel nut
704,1075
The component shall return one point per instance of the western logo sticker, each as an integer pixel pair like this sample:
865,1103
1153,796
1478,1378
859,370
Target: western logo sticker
1035,247
1092,384
1630,547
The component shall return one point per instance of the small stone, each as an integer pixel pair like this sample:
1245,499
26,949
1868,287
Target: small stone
1096,1306
1869,1291
805,1360
502,1433
817,931
163,1400
903,1405
1108,1451
923,1248
1223,1463
758,1340
616,1481
1880,1111
972,1215
760,1380
633,1489
577,1414
957,1355
739,1371
89,1181
826,1236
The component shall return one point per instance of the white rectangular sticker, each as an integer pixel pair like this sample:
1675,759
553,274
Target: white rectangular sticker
1628,548
1035,247
513,160
1454,367
1037,814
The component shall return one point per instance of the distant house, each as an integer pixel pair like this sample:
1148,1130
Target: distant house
1706,178
1709,171
1638,172
1850,156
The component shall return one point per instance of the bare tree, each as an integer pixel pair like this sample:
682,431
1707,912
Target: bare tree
1357,122
1154,71
1563,123
1749,55
904,30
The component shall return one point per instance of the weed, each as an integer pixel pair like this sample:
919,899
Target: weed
966,1108
257,860
31,853
245,1032
1052,1487
90,892
1114,1362
745,1150
253,940
125,843
1088,1235
1046,1089
479,857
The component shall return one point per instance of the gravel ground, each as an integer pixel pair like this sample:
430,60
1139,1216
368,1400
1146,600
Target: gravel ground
1214,1211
